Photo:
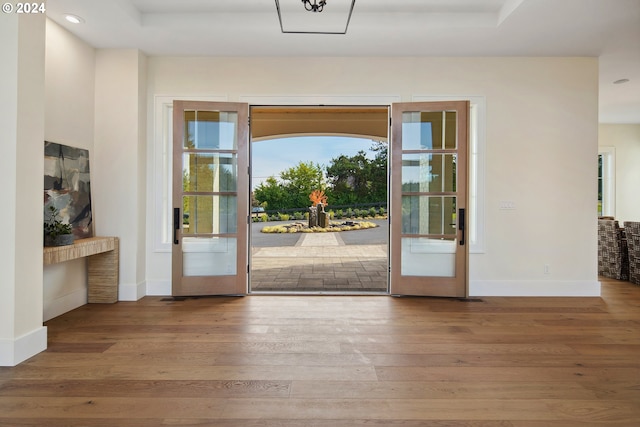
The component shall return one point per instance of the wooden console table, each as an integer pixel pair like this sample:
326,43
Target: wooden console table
103,255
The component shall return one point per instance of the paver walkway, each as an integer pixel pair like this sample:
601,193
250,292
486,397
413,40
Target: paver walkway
320,262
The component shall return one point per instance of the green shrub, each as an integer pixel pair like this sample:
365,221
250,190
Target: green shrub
298,216
283,217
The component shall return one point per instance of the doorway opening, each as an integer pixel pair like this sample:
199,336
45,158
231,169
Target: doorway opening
427,186
341,154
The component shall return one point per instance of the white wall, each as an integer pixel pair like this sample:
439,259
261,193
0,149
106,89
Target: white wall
542,140
96,99
625,139
69,120
120,137
22,105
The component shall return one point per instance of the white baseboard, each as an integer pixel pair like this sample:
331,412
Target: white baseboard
507,288
17,351
64,304
126,292
131,291
534,288
159,287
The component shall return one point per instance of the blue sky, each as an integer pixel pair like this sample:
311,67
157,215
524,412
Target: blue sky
273,156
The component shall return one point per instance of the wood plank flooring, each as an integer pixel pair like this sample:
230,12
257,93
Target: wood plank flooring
336,361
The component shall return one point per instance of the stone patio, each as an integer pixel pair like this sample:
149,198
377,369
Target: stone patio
320,263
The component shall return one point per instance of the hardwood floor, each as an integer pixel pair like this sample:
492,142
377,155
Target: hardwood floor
336,362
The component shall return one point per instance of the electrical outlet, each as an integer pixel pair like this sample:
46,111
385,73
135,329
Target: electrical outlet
507,205
547,269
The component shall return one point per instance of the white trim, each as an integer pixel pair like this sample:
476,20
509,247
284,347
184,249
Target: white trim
160,170
17,351
158,287
534,288
478,137
320,99
64,304
131,291
608,180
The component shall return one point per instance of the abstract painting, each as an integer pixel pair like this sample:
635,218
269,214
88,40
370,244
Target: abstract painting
67,186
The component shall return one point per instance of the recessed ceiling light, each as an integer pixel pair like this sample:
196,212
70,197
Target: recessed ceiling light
74,19
620,81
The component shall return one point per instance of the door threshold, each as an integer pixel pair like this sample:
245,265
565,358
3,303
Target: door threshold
319,293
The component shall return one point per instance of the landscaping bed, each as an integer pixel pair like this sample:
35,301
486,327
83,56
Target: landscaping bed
334,226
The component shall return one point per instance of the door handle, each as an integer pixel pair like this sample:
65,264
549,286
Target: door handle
176,225
461,225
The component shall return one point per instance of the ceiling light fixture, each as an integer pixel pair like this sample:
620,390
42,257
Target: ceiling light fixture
315,7
620,81
74,19
295,20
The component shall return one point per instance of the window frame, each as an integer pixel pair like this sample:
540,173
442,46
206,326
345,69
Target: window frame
608,155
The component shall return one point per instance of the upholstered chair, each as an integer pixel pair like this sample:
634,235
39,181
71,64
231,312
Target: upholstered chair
612,251
632,232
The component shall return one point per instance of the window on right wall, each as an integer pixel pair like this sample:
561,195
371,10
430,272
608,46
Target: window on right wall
606,181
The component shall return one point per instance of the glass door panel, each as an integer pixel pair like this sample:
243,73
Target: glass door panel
210,130
429,215
209,215
209,256
428,182
424,256
210,172
428,172
210,198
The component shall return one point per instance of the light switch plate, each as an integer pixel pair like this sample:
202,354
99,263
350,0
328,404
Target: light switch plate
507,205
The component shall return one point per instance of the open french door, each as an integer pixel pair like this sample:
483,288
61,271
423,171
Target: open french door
429,249
210,198
428,194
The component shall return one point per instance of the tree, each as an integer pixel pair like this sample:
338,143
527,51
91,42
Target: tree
271,194
351,180
318,197
301,180
358,179
294,187
378,172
